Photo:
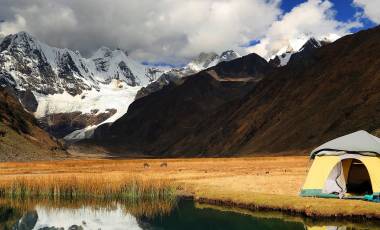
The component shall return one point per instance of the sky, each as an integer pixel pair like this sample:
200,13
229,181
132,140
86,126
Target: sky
174,31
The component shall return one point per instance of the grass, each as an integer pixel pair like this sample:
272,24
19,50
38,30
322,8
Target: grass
99,186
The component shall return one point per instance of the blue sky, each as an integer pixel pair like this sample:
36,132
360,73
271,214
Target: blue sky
322,19
345,11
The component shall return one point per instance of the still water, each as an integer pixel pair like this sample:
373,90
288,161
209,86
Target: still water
182,214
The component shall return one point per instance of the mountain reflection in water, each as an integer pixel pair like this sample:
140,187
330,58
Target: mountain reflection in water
182,214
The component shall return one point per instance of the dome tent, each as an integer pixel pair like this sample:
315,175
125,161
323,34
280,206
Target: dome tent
346,167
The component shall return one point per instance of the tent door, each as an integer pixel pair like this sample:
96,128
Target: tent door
358,181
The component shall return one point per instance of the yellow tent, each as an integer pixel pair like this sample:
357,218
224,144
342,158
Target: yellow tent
346,167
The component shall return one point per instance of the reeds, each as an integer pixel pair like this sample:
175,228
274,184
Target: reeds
137,208
100,186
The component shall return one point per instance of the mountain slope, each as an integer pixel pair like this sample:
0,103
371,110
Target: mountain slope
302,105
177,109
20,137
334,91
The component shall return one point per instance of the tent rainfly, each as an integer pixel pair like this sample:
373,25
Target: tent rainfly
346,167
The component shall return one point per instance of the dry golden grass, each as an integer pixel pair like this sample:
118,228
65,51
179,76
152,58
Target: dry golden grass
249,182
99,186
241,174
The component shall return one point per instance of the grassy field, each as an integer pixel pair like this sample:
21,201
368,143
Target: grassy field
250,183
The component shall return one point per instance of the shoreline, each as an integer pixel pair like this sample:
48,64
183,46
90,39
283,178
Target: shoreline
251,183
308,222
313,214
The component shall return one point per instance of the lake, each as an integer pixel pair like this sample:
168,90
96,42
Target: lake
181,214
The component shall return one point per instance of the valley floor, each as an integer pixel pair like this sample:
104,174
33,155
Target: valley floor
269,183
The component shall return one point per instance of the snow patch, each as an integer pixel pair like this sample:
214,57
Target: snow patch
116,95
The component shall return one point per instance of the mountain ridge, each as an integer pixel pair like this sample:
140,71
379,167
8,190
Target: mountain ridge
292,108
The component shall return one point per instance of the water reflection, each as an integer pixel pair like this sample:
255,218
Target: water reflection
85,217
90,214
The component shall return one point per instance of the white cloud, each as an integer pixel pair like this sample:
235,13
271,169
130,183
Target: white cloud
371,9
314,18
153,30
15,26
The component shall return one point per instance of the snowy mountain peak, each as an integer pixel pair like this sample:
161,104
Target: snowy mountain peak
312,43
204,57
203,61
22,42
300,44
22,38
229,55
207,60
102,52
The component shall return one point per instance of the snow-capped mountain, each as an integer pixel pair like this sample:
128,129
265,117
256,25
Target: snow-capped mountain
202,62
299,44
70,94
228,55
59,81
27,63
207,60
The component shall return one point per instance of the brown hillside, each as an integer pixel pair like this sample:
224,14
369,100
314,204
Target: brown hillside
20,137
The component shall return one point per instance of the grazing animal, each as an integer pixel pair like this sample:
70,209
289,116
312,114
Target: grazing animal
146,165
55,148
2,133
164,164
267,172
